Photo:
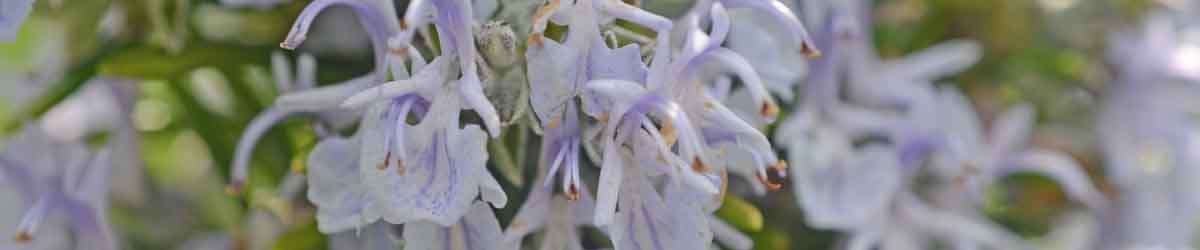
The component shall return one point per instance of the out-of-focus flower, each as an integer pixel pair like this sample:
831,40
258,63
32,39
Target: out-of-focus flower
973,159
557,73
1150,142
12,15
104,106
59,180
865,126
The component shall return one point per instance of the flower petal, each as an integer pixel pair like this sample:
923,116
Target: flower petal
851,191
939,61
335,187
478,230
552,70
1011,130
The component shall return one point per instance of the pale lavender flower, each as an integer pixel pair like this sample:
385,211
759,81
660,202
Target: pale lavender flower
684,125
557,72
104,105
1150,142
975,159
866,191
430,171
12,15
59,180
454,21
351,188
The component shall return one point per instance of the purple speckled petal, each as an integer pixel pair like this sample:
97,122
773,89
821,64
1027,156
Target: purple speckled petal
478,230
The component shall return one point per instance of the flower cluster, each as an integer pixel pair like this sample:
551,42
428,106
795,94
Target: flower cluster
867,129
641,118
1148,133
60,183
660,131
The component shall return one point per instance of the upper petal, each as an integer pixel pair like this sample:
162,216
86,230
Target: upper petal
553,70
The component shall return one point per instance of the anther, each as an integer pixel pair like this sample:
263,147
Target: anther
234,189
603,117
22,237
554,122
386,158
769,109
399,51
781,165
698,165
535,39
809,51
403,24
764,180
670,134
573,193
400,168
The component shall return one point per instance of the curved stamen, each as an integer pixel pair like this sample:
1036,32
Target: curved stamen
405,106
415,16
743,69
245,147
720,24
367,16
573,191
568,186
558,159
784,15
32,219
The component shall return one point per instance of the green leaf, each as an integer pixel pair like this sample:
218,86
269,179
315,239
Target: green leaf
145,62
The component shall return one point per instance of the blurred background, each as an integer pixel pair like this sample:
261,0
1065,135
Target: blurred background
202,71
